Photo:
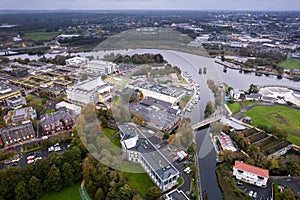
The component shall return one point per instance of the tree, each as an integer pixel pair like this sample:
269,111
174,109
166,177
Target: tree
222,58
67,174
287,194
21,192
53,179
253,89
138,119
153,193
43,93
227,156
99,194
35,187
209,109
125,192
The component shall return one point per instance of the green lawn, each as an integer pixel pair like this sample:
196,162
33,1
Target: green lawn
139,182
281,116
234,107
70,193
40,35
291,63
294,139
109,132
49,111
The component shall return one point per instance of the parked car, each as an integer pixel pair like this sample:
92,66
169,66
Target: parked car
30,158
250,193
50,148
38,158
45,137
30,161
57,148
254,195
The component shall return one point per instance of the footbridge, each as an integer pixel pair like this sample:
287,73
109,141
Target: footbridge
206,122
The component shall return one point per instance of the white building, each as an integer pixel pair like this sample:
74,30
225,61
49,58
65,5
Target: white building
76,61
101,67
251,174
71,107
15,102
89,91
139,149
226,143
168,93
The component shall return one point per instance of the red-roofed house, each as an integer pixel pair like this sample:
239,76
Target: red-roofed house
251,174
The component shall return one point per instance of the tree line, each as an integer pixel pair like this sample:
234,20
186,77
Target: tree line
49,174
135,59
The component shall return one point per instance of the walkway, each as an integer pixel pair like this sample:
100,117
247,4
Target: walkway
206,122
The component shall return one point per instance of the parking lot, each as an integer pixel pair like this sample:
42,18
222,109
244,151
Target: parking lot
24,159
261,193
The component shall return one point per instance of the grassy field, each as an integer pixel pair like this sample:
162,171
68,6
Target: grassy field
40,35
139,182
291,63
70,193
234,107
294,139
281,116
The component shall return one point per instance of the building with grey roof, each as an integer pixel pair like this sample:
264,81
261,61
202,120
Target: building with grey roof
168,93
16,134
20,115
176,195
157,113
139,149
15,102
56,122
8,90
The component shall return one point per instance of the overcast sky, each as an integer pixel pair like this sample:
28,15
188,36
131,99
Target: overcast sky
153,4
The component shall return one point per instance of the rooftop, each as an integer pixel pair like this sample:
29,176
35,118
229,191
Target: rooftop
150,153
252,169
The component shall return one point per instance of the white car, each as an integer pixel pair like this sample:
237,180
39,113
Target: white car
45,137
254,195
251,193
57,148
51,149
30,161
186,169
38,158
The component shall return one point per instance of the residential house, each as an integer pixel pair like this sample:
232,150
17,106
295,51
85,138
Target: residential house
16,134
56,122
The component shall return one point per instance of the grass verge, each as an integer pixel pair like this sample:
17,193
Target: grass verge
234,107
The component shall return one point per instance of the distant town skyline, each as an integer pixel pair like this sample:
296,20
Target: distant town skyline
267,5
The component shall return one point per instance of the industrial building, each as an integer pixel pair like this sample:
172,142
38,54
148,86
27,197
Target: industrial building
157,113
89,91
168,93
